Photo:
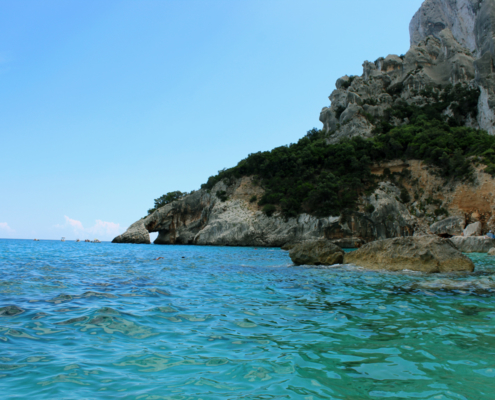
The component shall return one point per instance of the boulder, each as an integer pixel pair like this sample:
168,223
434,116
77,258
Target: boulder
316,252
491,252
473,244
429,254
451,226
473,229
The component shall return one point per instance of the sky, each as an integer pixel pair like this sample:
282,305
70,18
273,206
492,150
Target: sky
107,105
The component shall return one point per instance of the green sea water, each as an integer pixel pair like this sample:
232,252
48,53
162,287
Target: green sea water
107,321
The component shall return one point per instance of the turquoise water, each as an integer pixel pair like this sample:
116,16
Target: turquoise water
101,321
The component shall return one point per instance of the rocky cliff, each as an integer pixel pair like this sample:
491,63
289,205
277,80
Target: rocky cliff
452,41
202,218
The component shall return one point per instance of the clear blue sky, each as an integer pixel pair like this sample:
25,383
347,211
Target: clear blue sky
106,105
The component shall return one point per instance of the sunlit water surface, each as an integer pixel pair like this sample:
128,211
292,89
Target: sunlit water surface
101,321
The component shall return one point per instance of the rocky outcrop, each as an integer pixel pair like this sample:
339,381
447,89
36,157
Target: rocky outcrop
429,254
136,233
459,16
491,252
202,218
452,41
316,252
473,244
472,24
177,222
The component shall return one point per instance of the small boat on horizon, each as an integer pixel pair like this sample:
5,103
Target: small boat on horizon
63,239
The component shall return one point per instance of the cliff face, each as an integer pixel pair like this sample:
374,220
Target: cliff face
202,218
452,41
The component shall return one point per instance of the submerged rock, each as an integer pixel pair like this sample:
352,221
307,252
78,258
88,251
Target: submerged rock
316,252
428,254
473,244
491,252
10,311
486,284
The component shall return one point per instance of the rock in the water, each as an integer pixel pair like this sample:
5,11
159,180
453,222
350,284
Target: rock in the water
482,285
451,226
473,244
428,254
316,252
491,252
473,229
10,311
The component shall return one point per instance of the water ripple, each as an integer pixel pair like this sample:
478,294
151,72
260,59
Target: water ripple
102,321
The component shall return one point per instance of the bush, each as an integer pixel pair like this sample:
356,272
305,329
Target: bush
404,196
369,208
269,209
166,199
253,198
222,195
348,83
441,211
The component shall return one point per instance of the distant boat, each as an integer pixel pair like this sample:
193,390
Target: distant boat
87,240
63,239
36,240
96,241
77,240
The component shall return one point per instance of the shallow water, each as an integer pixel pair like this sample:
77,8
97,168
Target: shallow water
100,321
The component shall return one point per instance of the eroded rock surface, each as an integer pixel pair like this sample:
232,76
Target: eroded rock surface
451,226
202,218
452,41
429,254
473,229
473,244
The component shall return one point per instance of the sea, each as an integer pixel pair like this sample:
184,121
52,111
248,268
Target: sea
127,321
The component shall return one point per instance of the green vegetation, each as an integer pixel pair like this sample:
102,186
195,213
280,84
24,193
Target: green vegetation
222,195
269,209
369,208
253,198
327,179
404,196
165,199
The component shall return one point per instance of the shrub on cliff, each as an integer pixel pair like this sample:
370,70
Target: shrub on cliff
269,209
165,199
